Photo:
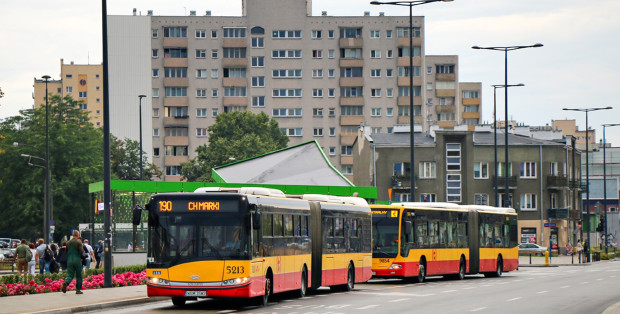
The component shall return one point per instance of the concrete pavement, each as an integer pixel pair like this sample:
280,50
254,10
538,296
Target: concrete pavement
97,299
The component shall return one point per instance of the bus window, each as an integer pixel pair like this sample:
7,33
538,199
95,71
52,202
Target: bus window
422,234
433,234
451,233
497,232
277,225
297,225
338,227
304,225
462,234
288,226
267,225
443,234
354,228
483,237
329,227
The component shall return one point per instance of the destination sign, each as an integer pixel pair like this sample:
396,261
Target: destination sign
197,206
390,213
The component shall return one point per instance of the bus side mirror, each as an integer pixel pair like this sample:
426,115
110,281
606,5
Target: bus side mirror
137,214
256,218
408,227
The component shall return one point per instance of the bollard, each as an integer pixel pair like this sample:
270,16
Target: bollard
546,258
530,258
572,258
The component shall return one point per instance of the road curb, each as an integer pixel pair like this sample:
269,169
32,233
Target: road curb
102,306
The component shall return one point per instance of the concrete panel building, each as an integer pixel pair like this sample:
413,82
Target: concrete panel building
321,77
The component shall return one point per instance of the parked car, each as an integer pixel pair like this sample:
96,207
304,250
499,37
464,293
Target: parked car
532,248
4,245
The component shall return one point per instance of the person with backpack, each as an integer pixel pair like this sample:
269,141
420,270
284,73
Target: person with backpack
54,265
44,256
62,256
98,251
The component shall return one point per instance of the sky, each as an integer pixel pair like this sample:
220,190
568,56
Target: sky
578,67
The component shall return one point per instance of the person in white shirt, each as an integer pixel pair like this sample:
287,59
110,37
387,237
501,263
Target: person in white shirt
33,262
91,253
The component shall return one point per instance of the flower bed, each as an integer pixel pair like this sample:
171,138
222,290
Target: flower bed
90,282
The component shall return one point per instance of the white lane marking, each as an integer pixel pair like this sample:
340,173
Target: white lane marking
448,291
367,307
564,287
399,300
614,276
541,292
227,311
513,299
478,309
599,279
467,288
585,282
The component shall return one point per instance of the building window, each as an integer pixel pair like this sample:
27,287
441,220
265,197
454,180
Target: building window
332,131
317,92
375,34
173,170
293,92
201,73
258,81
235,91
428,197
258,42
481,170
375,112
404,51
154,53
69,89
293,132
215,73
290,112
346,169
317,54
233,32
470,94
481,199
331,53
155,72
453,157
317,73
213,34
453,187
528,170
376,130
553,169
201,132
317,112
444,68
175,32
155,112
175,72
234,53
390,130
258,62
389,112
332,151
375,73
201,92
403,32
375,92
330,33
156,152
401,169
175,150
214,93
331,73
332,112
82,94
258,101
286,54
350,32
318,131
214,112
292,73
214,54
201,33
388,33
502,169
429,70
331,92
284,34
375,54
346,150
176,91
389,53
389,73
155,92
428,170
154,33
352,110
528,201
201,112
389,92
175,52
317,34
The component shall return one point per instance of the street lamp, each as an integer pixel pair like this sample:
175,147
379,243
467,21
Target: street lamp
45,199
586,110
505,49
495,87
605,183
141,96
48,211
410,4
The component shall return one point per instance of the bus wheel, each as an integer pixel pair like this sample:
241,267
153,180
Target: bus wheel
499,271
350,279
178,301
421,272
264,299
461,274
304,284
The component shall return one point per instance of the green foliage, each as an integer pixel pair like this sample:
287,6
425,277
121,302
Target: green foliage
40,278
125,161
75,161
239,135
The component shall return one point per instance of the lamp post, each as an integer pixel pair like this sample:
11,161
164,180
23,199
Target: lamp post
410,4
48,212
586,110
140,97
45,199
505,49
495,87
605,183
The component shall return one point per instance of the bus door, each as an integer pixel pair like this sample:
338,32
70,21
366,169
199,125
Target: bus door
316,245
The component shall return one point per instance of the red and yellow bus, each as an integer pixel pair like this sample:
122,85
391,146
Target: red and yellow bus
253,242
415,240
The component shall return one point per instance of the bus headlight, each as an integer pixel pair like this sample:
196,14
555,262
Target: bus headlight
396,266
158,281
235,281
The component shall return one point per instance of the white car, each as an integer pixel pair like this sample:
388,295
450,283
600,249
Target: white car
531,248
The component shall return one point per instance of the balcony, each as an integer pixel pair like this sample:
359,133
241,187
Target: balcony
446,124
175,41
557,182
471,101
402,182
471,115
351,42
234,42
351,120
175,62
558,213
404,61
182,121
501,182
235,62
176,81
351,101
404,100
351,81
235,101
404,41
351,63
404,81
577,185
445,108
235,82
445,93
445,77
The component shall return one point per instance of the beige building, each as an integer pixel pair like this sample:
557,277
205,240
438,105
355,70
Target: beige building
569,128
83,82
320,77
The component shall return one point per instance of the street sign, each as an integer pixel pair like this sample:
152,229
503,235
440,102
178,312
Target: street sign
52,228
52,222
549,224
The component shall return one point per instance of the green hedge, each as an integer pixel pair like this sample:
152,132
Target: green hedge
40,278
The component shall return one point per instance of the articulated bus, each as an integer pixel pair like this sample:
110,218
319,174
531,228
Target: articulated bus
253,242
415,240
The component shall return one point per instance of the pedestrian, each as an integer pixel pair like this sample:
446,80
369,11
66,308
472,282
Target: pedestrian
62,256
44,265
98,251
21,257
129,248
33,261
54,265
74,263
90,253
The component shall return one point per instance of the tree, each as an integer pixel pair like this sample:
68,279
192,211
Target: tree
75,161
239,135
125,161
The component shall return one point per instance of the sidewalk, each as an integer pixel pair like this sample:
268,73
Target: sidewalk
92,299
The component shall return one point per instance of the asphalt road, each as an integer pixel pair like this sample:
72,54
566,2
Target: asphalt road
565,289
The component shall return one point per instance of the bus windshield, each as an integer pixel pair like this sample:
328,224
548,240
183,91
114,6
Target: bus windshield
384,235
180,238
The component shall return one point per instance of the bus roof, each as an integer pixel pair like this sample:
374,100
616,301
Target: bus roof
452,206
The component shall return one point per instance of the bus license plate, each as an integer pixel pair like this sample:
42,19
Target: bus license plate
195,293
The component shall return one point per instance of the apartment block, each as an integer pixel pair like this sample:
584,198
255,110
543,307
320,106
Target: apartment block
83,82
320,77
